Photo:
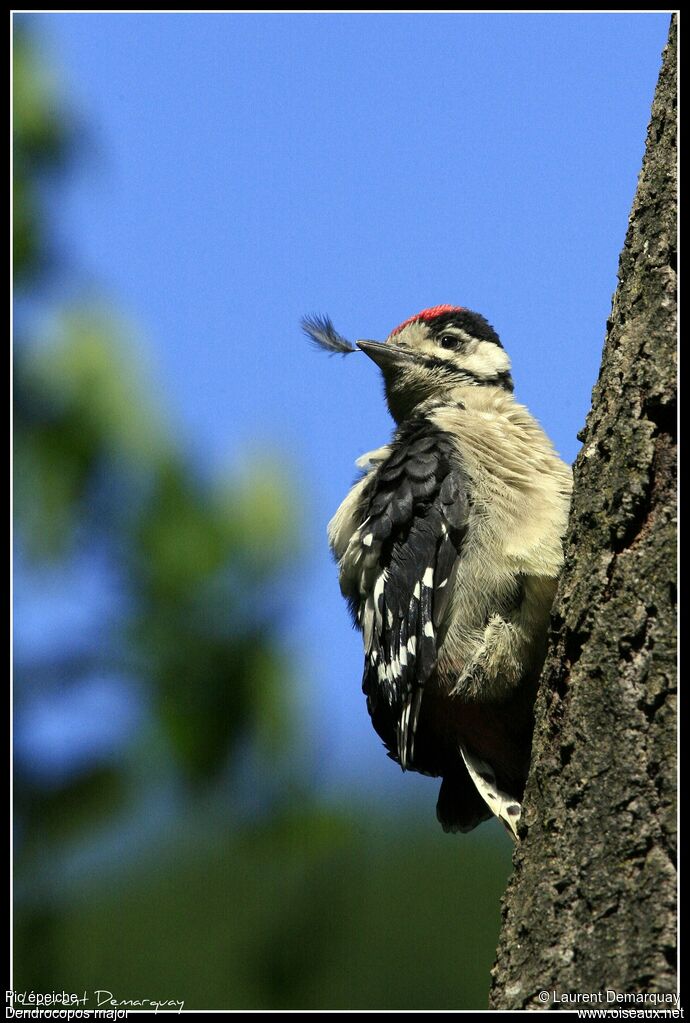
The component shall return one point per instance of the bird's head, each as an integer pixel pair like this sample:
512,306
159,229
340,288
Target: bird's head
435,351
429,355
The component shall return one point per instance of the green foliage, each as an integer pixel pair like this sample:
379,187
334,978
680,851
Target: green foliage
40,143
98,467
307,912
274,908
94,462
81,412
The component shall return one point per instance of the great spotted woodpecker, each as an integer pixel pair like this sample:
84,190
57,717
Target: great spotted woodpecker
449,548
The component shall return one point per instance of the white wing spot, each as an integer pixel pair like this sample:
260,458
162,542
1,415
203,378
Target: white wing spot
378,588
368,624
402,741
429,629
428,579
415,718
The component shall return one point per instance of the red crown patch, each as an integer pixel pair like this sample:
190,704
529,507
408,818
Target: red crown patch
429,314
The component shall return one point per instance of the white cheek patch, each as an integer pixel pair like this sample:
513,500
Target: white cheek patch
487,360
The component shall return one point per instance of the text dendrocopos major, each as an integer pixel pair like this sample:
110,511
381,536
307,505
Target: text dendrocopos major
449,548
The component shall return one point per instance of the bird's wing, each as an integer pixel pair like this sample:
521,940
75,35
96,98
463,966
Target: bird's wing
416,515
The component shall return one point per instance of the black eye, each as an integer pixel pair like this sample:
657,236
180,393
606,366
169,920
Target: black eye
449,341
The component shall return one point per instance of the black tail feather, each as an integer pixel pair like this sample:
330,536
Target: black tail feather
459,806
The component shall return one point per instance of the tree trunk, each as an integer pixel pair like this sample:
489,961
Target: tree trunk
591,906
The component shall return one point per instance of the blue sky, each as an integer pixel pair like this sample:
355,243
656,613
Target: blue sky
241,170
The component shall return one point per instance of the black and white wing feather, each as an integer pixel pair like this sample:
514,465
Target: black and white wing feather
416,513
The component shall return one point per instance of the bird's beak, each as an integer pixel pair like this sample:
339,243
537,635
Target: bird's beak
385,354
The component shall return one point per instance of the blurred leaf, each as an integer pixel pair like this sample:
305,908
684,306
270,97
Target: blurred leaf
61,813
26,241
86,367
38,107
260,513
41,135
180,542
81,414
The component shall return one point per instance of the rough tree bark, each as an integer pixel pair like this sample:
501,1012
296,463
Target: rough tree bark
591,905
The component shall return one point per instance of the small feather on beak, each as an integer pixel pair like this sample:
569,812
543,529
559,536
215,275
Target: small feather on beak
322,334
